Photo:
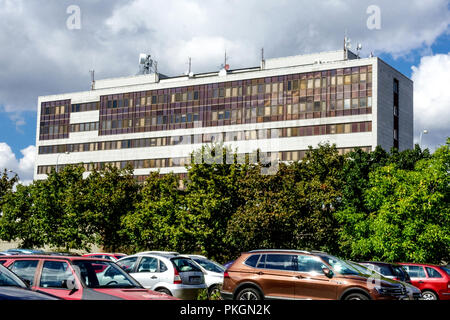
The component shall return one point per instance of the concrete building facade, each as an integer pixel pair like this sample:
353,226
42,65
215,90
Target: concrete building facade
280,108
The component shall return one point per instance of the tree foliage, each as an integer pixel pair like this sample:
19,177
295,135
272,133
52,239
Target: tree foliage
391,206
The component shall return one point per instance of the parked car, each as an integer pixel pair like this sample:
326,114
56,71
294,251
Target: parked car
108,256
432,280
75,278
293,274
13,288
174,253
24,251
212,270
170,274
391,271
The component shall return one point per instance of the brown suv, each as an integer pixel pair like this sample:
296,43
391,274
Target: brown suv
292,274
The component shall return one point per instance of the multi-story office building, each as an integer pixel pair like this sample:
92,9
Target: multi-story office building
281,108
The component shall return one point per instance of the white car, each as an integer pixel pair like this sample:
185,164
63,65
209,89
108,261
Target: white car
171,274
212,270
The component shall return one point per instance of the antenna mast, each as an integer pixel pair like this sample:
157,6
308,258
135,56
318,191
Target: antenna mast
92,72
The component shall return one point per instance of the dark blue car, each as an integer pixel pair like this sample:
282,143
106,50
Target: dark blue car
13,288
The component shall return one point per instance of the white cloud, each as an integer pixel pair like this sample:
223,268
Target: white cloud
432,98
24,166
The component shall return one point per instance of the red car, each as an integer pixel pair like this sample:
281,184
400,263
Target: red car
77,278
432,280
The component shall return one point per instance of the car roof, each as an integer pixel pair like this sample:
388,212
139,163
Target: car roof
280,251
419,264
51,257
381,263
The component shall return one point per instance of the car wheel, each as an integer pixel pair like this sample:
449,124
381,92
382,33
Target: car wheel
249,294
429,295
356,296
164,290
213,290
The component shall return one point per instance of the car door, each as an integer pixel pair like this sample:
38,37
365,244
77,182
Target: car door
128,264
436,280
146,272
275,275
417,275
311,282
56,277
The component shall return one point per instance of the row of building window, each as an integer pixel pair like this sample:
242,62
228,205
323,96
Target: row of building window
261,134
83,107
185,161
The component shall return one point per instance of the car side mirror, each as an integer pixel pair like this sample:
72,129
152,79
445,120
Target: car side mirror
327,272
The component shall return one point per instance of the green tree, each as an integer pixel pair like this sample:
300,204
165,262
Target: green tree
156,222
110,195
6,184
408,215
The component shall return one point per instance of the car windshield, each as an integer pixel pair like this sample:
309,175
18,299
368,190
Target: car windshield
103,274
361,268
340,266
9,279
184,265
447,270
209,265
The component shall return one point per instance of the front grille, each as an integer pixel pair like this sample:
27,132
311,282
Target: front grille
399,291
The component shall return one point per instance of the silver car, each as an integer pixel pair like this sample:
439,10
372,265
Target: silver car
171,274
212,270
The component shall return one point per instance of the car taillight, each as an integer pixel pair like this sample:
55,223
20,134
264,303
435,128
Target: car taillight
226,275
176,277
396,279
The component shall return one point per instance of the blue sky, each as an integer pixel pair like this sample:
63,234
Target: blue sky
40,55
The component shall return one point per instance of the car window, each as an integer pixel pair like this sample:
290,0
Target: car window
8,279
400,273
184,265
148,264
127,264
209,265
252,260
415,271
2,262
261,262
447,270
310,264
25,269
162,266
286,262
340,265
56,274
432,273
111,277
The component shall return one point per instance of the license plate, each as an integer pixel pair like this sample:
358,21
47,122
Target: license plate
194,279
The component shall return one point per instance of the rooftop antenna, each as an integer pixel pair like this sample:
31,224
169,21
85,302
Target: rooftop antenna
92,72
263,61
146,64
347,45
189,71
358,49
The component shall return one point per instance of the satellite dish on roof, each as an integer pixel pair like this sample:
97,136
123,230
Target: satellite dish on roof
146,64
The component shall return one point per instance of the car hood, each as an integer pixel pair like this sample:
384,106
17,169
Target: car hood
126,294
382,280
16,293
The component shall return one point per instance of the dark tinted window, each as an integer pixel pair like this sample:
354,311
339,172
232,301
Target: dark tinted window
400,273
7,278
432,273
281,262
447,270
252,260
2,262
262,262
162,266
25,269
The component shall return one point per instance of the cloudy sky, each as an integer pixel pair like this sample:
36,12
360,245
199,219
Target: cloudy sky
46,49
